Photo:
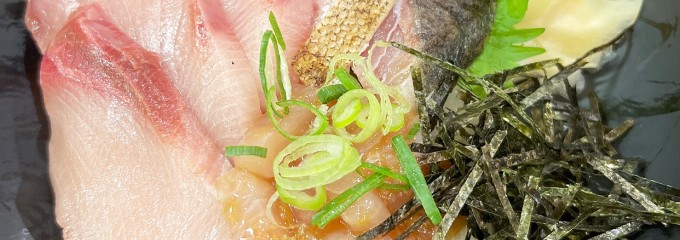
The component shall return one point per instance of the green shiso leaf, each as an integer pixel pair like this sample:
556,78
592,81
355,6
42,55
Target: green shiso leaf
503,49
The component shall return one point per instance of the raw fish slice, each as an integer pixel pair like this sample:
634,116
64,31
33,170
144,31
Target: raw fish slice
212,73
391,65
199,48
251,18
128,159
151,23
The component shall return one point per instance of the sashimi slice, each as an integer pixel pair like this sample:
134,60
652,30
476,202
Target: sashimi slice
151,23
251,18
211,71
199,48
128,159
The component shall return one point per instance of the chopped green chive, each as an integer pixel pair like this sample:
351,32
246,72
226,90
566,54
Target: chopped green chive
394,187
341,202
332,92
413,131
233,151
277,30
347,80
263,59
385,171
416,179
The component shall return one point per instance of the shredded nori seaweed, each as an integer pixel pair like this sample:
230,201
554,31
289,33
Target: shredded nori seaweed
529,162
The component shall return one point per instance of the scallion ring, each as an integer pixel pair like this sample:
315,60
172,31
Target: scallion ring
348,108
310,162
271,114
302,200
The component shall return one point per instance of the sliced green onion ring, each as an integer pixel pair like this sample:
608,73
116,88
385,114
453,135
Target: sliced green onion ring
271,112
233,151
346,113
416,179
319,115
270,215
392,115
348,108
320,160
302,200
263,74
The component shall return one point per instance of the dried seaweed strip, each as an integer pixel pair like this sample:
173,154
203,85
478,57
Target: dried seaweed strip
548,122
655,186
442,91
619,232
434,157
530,67
501,192
517,124
553,85
547,223
522,231
504,233
564,201
473,110
630,190
425,148
412,228
564,229
458,202
515,159
390,223
663,201
423,113
595,129
446,65
498,184
604,46
495,143
619,130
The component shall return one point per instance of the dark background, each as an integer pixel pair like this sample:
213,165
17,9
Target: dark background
642,83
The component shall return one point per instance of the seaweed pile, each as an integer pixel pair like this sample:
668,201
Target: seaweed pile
528,162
